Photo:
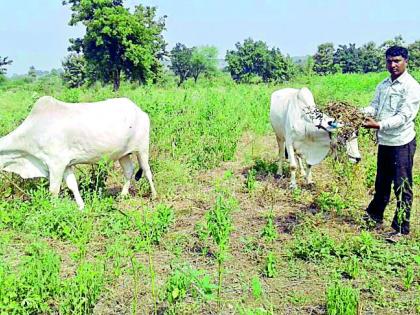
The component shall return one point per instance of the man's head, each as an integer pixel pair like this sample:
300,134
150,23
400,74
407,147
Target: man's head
396,60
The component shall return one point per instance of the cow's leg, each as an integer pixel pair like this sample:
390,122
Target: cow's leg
293,164
301,165
281,147
71,182
309,174
128,168
56,177
143,158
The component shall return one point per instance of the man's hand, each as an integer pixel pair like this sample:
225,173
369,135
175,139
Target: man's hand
370,123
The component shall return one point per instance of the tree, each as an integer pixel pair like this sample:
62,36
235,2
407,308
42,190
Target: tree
348,58
75,70
203,60
414,55
117,41
4,62
253,61
32,73
191,62
308,66
181,61
396,41
324,59
370,58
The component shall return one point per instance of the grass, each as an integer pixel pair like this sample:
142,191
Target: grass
212,151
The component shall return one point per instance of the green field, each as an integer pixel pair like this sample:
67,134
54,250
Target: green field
225,235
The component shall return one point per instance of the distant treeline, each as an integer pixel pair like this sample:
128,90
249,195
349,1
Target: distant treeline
124,45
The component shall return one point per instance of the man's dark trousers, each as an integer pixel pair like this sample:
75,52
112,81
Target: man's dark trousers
395,165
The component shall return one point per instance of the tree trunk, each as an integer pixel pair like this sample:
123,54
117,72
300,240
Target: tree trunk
117,76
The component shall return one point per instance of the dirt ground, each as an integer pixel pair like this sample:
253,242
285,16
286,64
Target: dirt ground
299,287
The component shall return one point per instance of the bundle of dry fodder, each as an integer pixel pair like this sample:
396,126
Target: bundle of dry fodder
348,115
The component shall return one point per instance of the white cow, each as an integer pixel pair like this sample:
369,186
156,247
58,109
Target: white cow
57,135
301,132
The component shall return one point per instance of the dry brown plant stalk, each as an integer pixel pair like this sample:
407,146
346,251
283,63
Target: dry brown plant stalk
349,115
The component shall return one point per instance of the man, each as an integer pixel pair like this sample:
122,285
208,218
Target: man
394,110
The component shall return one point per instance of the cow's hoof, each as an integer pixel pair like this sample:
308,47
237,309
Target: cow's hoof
278,176
310,185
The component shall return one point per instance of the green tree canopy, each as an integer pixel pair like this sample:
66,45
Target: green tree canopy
371,57
414,55
181,61
203,60
348,58
3,63
396,41
118,41
32,73
324,59
254,59
191,62
75,70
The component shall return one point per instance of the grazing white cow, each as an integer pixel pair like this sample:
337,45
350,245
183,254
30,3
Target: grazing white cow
57,135
304,135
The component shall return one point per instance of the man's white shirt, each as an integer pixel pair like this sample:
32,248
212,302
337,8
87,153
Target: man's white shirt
395,107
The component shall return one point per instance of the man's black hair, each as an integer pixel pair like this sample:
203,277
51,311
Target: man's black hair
395,51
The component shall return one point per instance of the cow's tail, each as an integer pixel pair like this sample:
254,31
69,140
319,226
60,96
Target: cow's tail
138,174
140,171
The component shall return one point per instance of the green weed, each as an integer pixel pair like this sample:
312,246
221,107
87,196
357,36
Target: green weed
93,181
269,232
352,267
327,201
364,245
297,194
254,311
250,182
409,277
185,281
257,289
264,168
313,246
270,266
151,226
342,300
219,226
30,290
79,294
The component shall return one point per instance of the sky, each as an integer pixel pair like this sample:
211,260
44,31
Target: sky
36,32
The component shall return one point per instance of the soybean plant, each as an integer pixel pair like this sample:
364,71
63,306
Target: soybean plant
269,232
152,225
219,225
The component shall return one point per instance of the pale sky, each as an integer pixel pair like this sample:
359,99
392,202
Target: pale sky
36,32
